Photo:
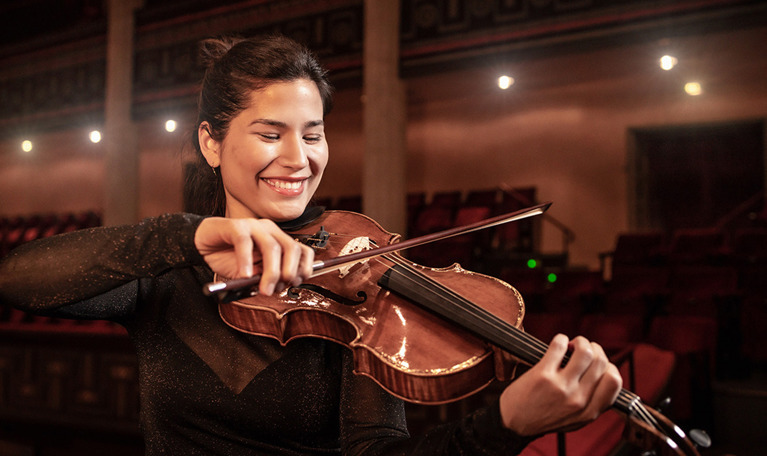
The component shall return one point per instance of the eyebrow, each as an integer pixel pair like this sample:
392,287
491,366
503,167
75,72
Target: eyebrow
280,124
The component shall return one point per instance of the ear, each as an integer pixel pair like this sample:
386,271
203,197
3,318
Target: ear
209,147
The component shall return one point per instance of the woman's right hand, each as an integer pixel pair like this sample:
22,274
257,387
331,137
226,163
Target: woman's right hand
231,247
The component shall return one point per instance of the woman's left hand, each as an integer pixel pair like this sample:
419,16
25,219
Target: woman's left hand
551,397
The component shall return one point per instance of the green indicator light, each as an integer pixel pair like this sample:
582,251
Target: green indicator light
531,263
551,277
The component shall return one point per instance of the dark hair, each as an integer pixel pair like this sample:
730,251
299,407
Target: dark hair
235,67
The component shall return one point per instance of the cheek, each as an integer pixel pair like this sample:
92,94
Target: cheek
248,157
320,160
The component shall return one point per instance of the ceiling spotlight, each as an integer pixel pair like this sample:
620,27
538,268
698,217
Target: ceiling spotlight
668,62
504,82
26,145
95,136
170,126
693,88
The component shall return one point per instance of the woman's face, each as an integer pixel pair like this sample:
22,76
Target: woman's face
274,153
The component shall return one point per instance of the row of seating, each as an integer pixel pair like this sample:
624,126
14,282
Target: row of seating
736,302
496,199
708,272
426,214
18,230
17,320
690,289
15,231
744,245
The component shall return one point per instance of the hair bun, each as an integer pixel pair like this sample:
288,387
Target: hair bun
213,49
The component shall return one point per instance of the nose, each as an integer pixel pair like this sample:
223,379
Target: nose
294,153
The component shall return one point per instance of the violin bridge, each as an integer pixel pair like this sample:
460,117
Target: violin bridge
358,244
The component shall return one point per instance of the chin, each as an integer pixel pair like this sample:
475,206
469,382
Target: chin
285,214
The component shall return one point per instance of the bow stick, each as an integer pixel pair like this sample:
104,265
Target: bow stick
240,288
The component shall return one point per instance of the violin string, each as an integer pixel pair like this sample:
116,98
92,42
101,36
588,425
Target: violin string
634,405
533,348
647,416
500,327
530,347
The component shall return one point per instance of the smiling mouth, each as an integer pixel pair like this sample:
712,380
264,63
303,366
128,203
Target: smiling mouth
285,185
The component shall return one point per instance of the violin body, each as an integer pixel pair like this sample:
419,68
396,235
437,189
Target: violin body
403,347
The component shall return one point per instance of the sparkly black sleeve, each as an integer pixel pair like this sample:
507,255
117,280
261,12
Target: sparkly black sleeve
49,275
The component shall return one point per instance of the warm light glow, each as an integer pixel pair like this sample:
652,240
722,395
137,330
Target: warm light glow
668,62
170,126
26,145
693,88
95,136
505,82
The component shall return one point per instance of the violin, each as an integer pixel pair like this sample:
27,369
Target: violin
365,295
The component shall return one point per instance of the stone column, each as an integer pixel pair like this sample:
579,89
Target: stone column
121,193
384,187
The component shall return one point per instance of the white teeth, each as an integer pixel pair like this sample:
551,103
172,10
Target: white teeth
284,184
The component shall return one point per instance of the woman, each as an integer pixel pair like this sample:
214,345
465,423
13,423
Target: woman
207,389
